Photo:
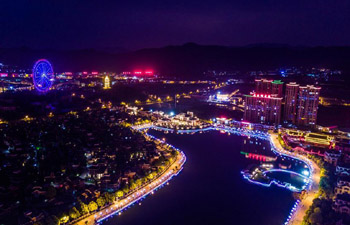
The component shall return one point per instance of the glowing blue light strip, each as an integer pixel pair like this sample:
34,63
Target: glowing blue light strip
158,186
264,136
286,171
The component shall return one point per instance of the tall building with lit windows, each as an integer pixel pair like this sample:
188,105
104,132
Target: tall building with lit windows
277,88
291,102
307,105
272,87
263,108
263,86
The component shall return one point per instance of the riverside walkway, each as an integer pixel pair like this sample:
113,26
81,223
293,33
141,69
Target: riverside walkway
297,212
118,206
301,206
297,216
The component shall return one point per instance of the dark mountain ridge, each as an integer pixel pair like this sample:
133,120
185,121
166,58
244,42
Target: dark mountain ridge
188,60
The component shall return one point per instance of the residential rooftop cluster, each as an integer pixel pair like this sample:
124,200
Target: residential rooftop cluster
56,167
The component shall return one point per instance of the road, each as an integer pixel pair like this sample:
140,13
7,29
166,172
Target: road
311,194
135,196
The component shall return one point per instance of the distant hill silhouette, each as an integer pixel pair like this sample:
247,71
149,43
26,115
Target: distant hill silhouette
188,60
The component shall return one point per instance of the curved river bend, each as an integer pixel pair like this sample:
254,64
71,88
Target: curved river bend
211,190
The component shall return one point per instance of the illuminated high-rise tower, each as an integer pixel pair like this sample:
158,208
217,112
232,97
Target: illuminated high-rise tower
272,87
308,105
277,88
262,108
291,102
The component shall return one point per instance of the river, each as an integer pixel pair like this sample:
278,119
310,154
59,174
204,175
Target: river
211,190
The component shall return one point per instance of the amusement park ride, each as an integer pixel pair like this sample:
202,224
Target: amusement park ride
43,75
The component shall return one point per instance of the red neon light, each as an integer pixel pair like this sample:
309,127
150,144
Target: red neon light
138,72
261,95
84,72
94,73
126,72
3,74
68,73
332,127
149,72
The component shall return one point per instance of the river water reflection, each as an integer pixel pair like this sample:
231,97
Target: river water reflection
211,189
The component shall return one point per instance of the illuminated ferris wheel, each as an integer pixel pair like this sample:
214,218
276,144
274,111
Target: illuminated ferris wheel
43,75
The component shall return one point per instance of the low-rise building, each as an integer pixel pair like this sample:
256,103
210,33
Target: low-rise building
341,203
319,139
343,186
332,157
343,169
343,143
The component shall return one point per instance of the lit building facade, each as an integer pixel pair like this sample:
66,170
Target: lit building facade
291,101
277,88
307,105
107,83
263,86
263,108
273,87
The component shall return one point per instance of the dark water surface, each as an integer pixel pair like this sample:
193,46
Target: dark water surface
211,189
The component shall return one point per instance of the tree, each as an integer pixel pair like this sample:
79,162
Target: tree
150,176
126,190
119,194
160,169
133,186
64,218
144,179
109,197
92,206
154,174
138,182
316,218
101,201
325,185
74,213
84,209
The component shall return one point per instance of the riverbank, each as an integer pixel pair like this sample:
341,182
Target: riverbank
202,193
118,206
297,213
300,211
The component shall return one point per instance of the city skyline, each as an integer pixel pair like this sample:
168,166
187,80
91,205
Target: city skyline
175,112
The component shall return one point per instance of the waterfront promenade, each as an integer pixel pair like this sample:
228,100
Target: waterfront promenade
296,216
311,193
118,206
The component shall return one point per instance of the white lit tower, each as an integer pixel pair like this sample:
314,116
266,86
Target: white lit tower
107,83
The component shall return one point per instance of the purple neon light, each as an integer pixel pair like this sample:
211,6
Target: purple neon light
43,75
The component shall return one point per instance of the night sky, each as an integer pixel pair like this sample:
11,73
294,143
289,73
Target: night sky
73,24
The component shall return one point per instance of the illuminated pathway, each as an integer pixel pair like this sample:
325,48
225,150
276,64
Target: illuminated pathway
299,209
297,217
118,206
297,212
